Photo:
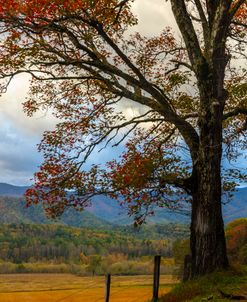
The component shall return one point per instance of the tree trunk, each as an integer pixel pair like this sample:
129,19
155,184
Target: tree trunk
208,246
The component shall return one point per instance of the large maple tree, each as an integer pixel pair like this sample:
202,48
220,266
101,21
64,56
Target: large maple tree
189,94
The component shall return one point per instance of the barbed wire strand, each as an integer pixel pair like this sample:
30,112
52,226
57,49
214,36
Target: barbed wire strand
146,296
78,291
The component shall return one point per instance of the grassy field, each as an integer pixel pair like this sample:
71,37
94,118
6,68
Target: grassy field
218,287
69,288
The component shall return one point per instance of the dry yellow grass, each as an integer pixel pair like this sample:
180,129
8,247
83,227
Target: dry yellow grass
69,288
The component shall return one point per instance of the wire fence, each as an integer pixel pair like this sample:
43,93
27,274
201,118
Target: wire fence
71,288
92,285
121,290
92,289
114,294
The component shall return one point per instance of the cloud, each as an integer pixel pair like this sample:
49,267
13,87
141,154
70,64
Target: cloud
153,16
18,154
12,110
19,134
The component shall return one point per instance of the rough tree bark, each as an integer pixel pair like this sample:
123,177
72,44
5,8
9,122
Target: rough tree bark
207,242
208,246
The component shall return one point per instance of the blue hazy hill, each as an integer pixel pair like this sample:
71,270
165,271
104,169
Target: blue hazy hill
104,211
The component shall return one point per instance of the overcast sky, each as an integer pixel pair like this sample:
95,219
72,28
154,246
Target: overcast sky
19,134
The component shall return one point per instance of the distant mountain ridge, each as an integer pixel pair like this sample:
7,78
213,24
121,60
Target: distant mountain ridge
11,190
13,210
104,211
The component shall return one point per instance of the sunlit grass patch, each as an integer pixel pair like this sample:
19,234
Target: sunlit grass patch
233,282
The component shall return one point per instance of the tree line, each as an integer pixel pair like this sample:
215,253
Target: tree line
31,243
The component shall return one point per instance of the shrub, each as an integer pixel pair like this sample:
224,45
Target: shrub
236,236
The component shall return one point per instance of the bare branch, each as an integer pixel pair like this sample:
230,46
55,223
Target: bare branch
180,63
235,112
203,19
240,24
120,6
188,32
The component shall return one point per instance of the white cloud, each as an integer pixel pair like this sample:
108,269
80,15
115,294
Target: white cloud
153,15
19,134
11,109
18,154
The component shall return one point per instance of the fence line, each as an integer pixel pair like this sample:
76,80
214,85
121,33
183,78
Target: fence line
107,298
78,291
156,282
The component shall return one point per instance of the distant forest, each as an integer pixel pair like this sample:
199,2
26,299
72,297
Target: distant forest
31,243
40,248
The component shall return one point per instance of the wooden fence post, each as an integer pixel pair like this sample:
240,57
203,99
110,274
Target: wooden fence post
156,278
187,267
107,287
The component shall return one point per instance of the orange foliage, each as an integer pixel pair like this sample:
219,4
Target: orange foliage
241,13
41,12
236,235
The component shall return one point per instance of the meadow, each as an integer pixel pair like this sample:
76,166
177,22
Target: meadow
71,288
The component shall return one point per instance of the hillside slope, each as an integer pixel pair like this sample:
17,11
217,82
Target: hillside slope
14,211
